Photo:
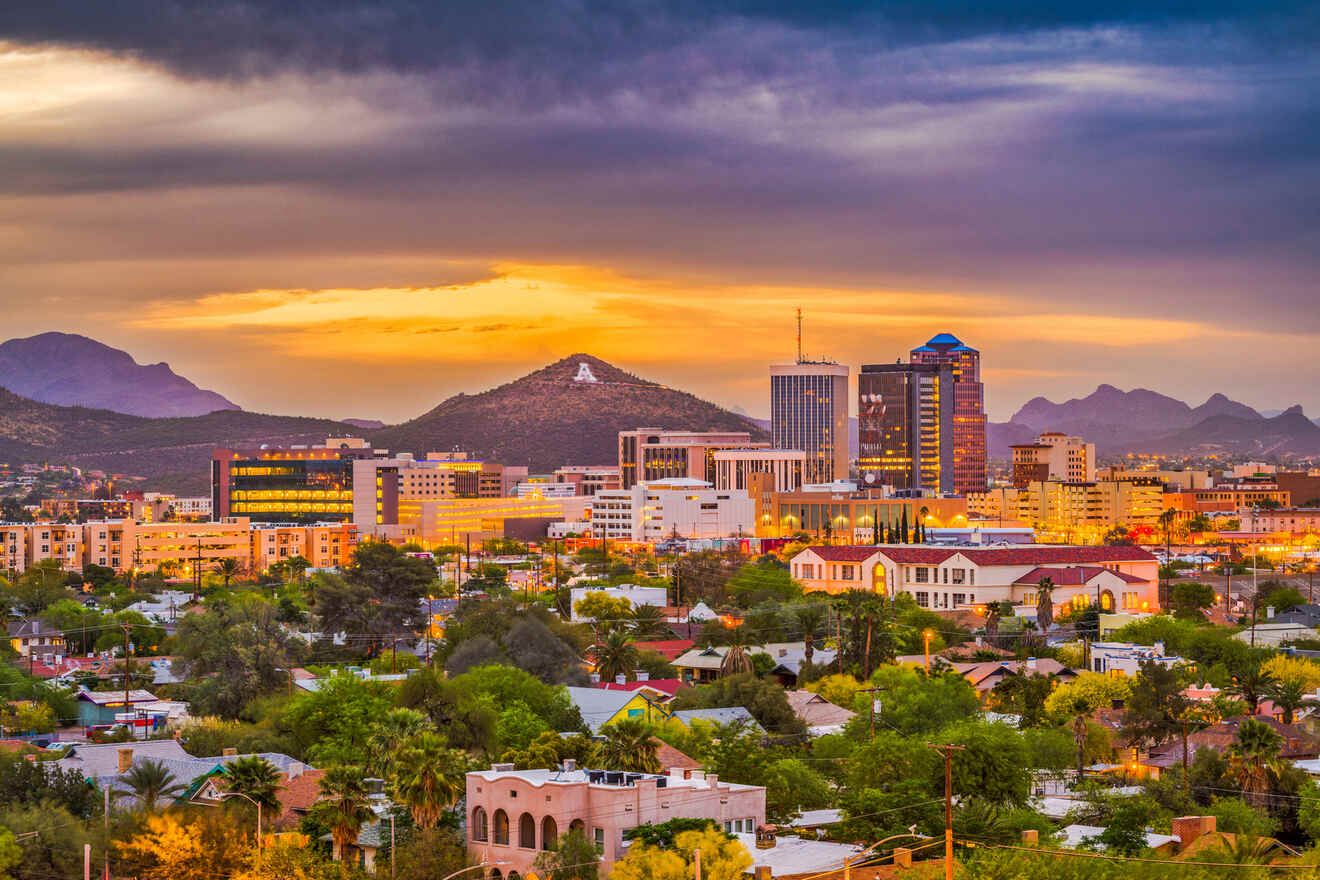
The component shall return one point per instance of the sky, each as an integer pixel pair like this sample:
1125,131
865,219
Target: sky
356,209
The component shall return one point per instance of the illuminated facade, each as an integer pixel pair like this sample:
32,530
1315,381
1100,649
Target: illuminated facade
653,511
1054,456
850,516
293,484
323,545
1060,505
387,491
185,546
432,522
647,454
809,411
969,419
734,468
589,479
905,431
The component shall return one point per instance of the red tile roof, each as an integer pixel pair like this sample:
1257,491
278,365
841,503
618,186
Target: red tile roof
668,648
1048,555
669,756
1073,575
843,554
297,795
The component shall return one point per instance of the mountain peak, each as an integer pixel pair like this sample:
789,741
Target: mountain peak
1294,410
68,369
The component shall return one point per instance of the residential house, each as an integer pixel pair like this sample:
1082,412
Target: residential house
670,649
786,855
819,714
31,639
659,690
1125,658
945,578
701,665
722,716
1274,634
515,814
104,707
1074,836
984,677
600,708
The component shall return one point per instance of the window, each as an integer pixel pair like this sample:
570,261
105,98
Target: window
526,831
958,575
501,828
480,826
971,577
598,835
923,574
848,572
923,599
549,833
946,575
959,599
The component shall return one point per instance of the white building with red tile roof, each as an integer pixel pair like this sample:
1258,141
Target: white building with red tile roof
947,578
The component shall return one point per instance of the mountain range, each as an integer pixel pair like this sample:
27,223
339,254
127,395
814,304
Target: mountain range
73,400
1121,422
556,416
71,370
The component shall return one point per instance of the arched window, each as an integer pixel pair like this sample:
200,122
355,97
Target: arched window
495,874
527,831
501,828
480,825
514,875
549,833
1106,601
577,826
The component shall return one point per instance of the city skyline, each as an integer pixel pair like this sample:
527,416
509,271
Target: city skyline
451,200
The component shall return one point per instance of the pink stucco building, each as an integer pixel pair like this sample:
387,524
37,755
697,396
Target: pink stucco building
512,815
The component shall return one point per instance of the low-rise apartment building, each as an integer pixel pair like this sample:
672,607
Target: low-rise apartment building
323,545
1054,456
653,511
513,815
1291,520
734,468
1226,498
1088,507
947,578
850,515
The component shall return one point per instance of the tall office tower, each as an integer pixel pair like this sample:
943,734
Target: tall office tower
809,411
969,443
905,423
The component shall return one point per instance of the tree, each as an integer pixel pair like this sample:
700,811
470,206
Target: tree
468,723
1254,759
1045,603
380,596
1125,831
1249,681
1153,713
1189,599
916,704
648,622
615,656
791,786
39,587
343,805
601,606
765,701
150,782
228,569
297,567
254,776
736,662
10,852
388,735
811,618
239,651
335,721
722,858
532,646
169,848
630,745
1024,696
1084,694
1288,695
428,778
572,857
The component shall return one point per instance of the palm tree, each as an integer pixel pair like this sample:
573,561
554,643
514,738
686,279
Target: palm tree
1289,695
389,734
150,783
1250,683
428,778
228,569
1241,849
630,745
344,796
1254,759
297,567
167,568
255,777
736,662
615,656
1045,604
810,617
648,622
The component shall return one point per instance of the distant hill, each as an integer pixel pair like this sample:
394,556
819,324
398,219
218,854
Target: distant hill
70,370
174,453
1289,434
547,418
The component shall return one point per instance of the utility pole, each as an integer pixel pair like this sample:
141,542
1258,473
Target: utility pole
394,655
127,665
948,751
197,571
874,701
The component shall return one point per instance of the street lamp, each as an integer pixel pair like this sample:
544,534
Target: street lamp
927,636
256,803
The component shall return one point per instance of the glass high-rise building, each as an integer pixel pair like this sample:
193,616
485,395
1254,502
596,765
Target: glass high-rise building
921,425
969,422
809,411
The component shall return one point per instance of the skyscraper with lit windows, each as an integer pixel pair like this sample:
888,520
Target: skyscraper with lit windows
969,422
809,411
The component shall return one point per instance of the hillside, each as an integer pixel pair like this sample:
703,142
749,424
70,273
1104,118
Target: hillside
1288,434
547,419
70,370
173,453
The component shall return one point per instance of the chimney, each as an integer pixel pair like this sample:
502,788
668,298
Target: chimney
762,872
1269,613
570,764
620,679
1190,828
765,837
712,780
1031,663
1030,837
641,675
698,775
595,678
36,626
229,752
125,760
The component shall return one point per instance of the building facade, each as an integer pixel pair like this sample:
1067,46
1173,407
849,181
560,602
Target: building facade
1086,508
905,427
589,479
734,469
647,454
323,545
656,510
1054,456
969,419
293,484
850,516
809,411
513,815
949,578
